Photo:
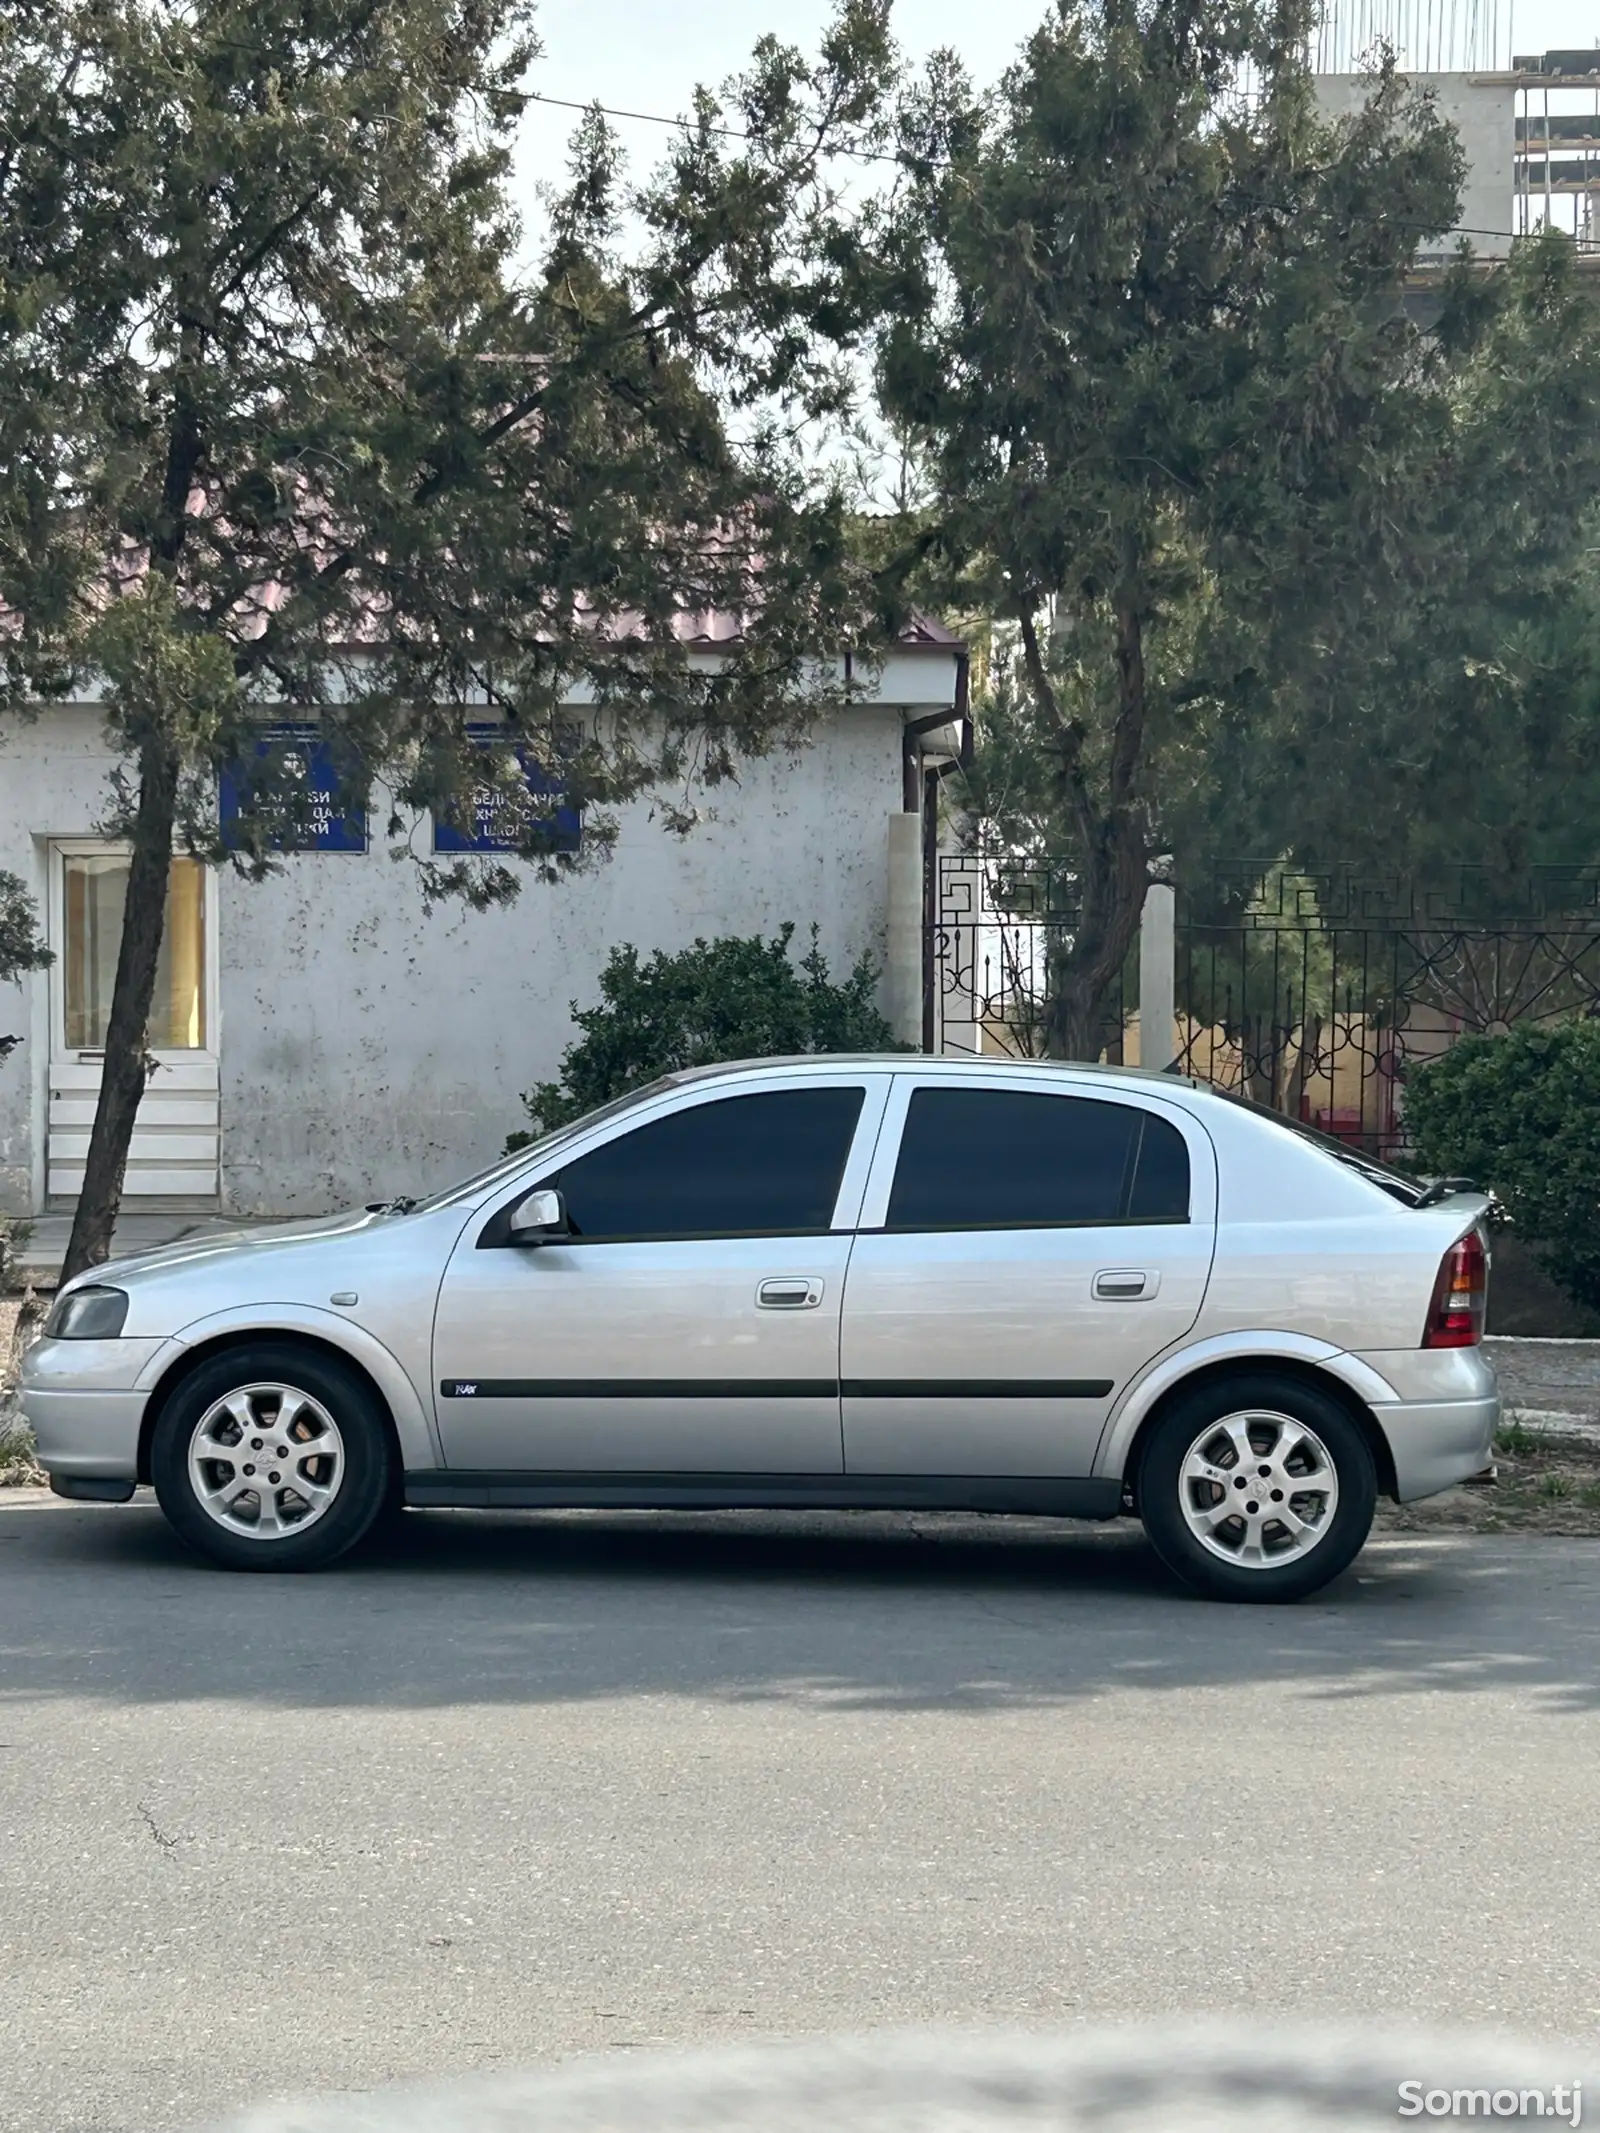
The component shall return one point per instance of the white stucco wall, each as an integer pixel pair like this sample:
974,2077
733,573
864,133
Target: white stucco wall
1483,113
367,1048
53,783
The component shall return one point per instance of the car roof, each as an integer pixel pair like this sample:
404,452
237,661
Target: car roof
935,1063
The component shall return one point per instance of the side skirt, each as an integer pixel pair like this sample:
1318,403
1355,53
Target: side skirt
1050,1496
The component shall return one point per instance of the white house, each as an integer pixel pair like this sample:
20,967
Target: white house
321,1040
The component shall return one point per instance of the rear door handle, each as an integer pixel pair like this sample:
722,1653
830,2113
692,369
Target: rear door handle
1126,1284
790,1292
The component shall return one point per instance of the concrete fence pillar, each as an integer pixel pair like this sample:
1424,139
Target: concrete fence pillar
902,977
1158,1019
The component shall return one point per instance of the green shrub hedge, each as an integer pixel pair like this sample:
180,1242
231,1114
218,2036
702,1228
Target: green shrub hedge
1521,1115
732,998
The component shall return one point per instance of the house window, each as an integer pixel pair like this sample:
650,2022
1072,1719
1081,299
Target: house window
96,889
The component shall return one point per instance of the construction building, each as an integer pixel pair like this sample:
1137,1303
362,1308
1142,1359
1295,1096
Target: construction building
1529,122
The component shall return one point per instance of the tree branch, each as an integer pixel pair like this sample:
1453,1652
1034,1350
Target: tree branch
253,258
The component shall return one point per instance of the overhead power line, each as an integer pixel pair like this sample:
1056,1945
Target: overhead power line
727,133
879,155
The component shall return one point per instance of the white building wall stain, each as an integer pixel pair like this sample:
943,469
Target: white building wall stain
368,1048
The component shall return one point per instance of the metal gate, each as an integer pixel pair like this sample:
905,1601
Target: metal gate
1314,993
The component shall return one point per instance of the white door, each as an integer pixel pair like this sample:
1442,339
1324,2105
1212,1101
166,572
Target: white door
1022,1254
173,1159
689,1324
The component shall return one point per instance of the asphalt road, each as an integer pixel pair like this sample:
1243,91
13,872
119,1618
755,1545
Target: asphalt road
524,1788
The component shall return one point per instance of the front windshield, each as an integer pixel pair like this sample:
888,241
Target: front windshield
509,1165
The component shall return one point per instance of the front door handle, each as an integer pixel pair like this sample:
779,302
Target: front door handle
1126,1284
790,1292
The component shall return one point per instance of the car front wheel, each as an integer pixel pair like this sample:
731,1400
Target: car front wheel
271,1457
1257,1487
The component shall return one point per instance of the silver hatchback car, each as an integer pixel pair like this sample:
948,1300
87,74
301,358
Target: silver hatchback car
827,1282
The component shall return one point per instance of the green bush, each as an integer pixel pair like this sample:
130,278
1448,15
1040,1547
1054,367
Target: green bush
1521,1115
732,998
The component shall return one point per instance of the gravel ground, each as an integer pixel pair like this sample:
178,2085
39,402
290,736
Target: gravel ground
1550,1378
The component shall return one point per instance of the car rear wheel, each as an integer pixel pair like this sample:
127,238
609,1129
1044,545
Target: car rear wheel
1257,1487
272,1457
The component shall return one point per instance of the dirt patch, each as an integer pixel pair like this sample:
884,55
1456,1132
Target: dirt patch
1544,1484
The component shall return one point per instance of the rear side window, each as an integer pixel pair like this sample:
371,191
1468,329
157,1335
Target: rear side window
1003,1159
763,1164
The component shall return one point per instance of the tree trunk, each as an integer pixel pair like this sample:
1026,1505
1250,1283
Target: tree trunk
1114,862
1076,1022
1116,870
122,1078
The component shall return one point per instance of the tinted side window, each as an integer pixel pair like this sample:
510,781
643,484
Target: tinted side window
768,1162
1000,1159
1161,1174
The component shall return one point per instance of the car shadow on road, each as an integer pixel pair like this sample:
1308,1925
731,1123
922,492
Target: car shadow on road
882,1611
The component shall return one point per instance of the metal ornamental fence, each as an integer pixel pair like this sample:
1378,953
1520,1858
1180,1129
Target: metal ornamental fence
1314,993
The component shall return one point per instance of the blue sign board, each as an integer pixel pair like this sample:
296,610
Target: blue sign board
500,821
306,759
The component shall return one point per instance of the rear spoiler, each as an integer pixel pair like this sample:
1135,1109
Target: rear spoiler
1466,1207
1436,1189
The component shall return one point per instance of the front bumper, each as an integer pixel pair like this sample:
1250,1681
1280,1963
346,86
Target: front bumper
1437,1443
88,1433
85,1402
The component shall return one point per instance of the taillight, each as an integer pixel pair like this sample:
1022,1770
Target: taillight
1455,1317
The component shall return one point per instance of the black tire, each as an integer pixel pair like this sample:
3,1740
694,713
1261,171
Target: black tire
361,1477
1160,1489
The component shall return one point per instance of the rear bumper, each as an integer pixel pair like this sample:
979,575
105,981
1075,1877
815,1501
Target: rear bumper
1437,1443
94,1435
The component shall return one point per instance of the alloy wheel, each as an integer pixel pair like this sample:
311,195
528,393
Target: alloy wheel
1258,1489
265,1461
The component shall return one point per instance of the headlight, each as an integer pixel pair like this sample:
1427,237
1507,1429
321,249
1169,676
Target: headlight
87,1315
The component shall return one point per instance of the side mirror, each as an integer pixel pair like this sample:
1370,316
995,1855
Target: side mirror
538,1218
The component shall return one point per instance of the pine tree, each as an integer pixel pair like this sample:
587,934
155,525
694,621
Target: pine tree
285,434
1146,313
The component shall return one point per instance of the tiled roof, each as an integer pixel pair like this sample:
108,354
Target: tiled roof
708,627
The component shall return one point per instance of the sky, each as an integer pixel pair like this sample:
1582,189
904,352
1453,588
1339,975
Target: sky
647,55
